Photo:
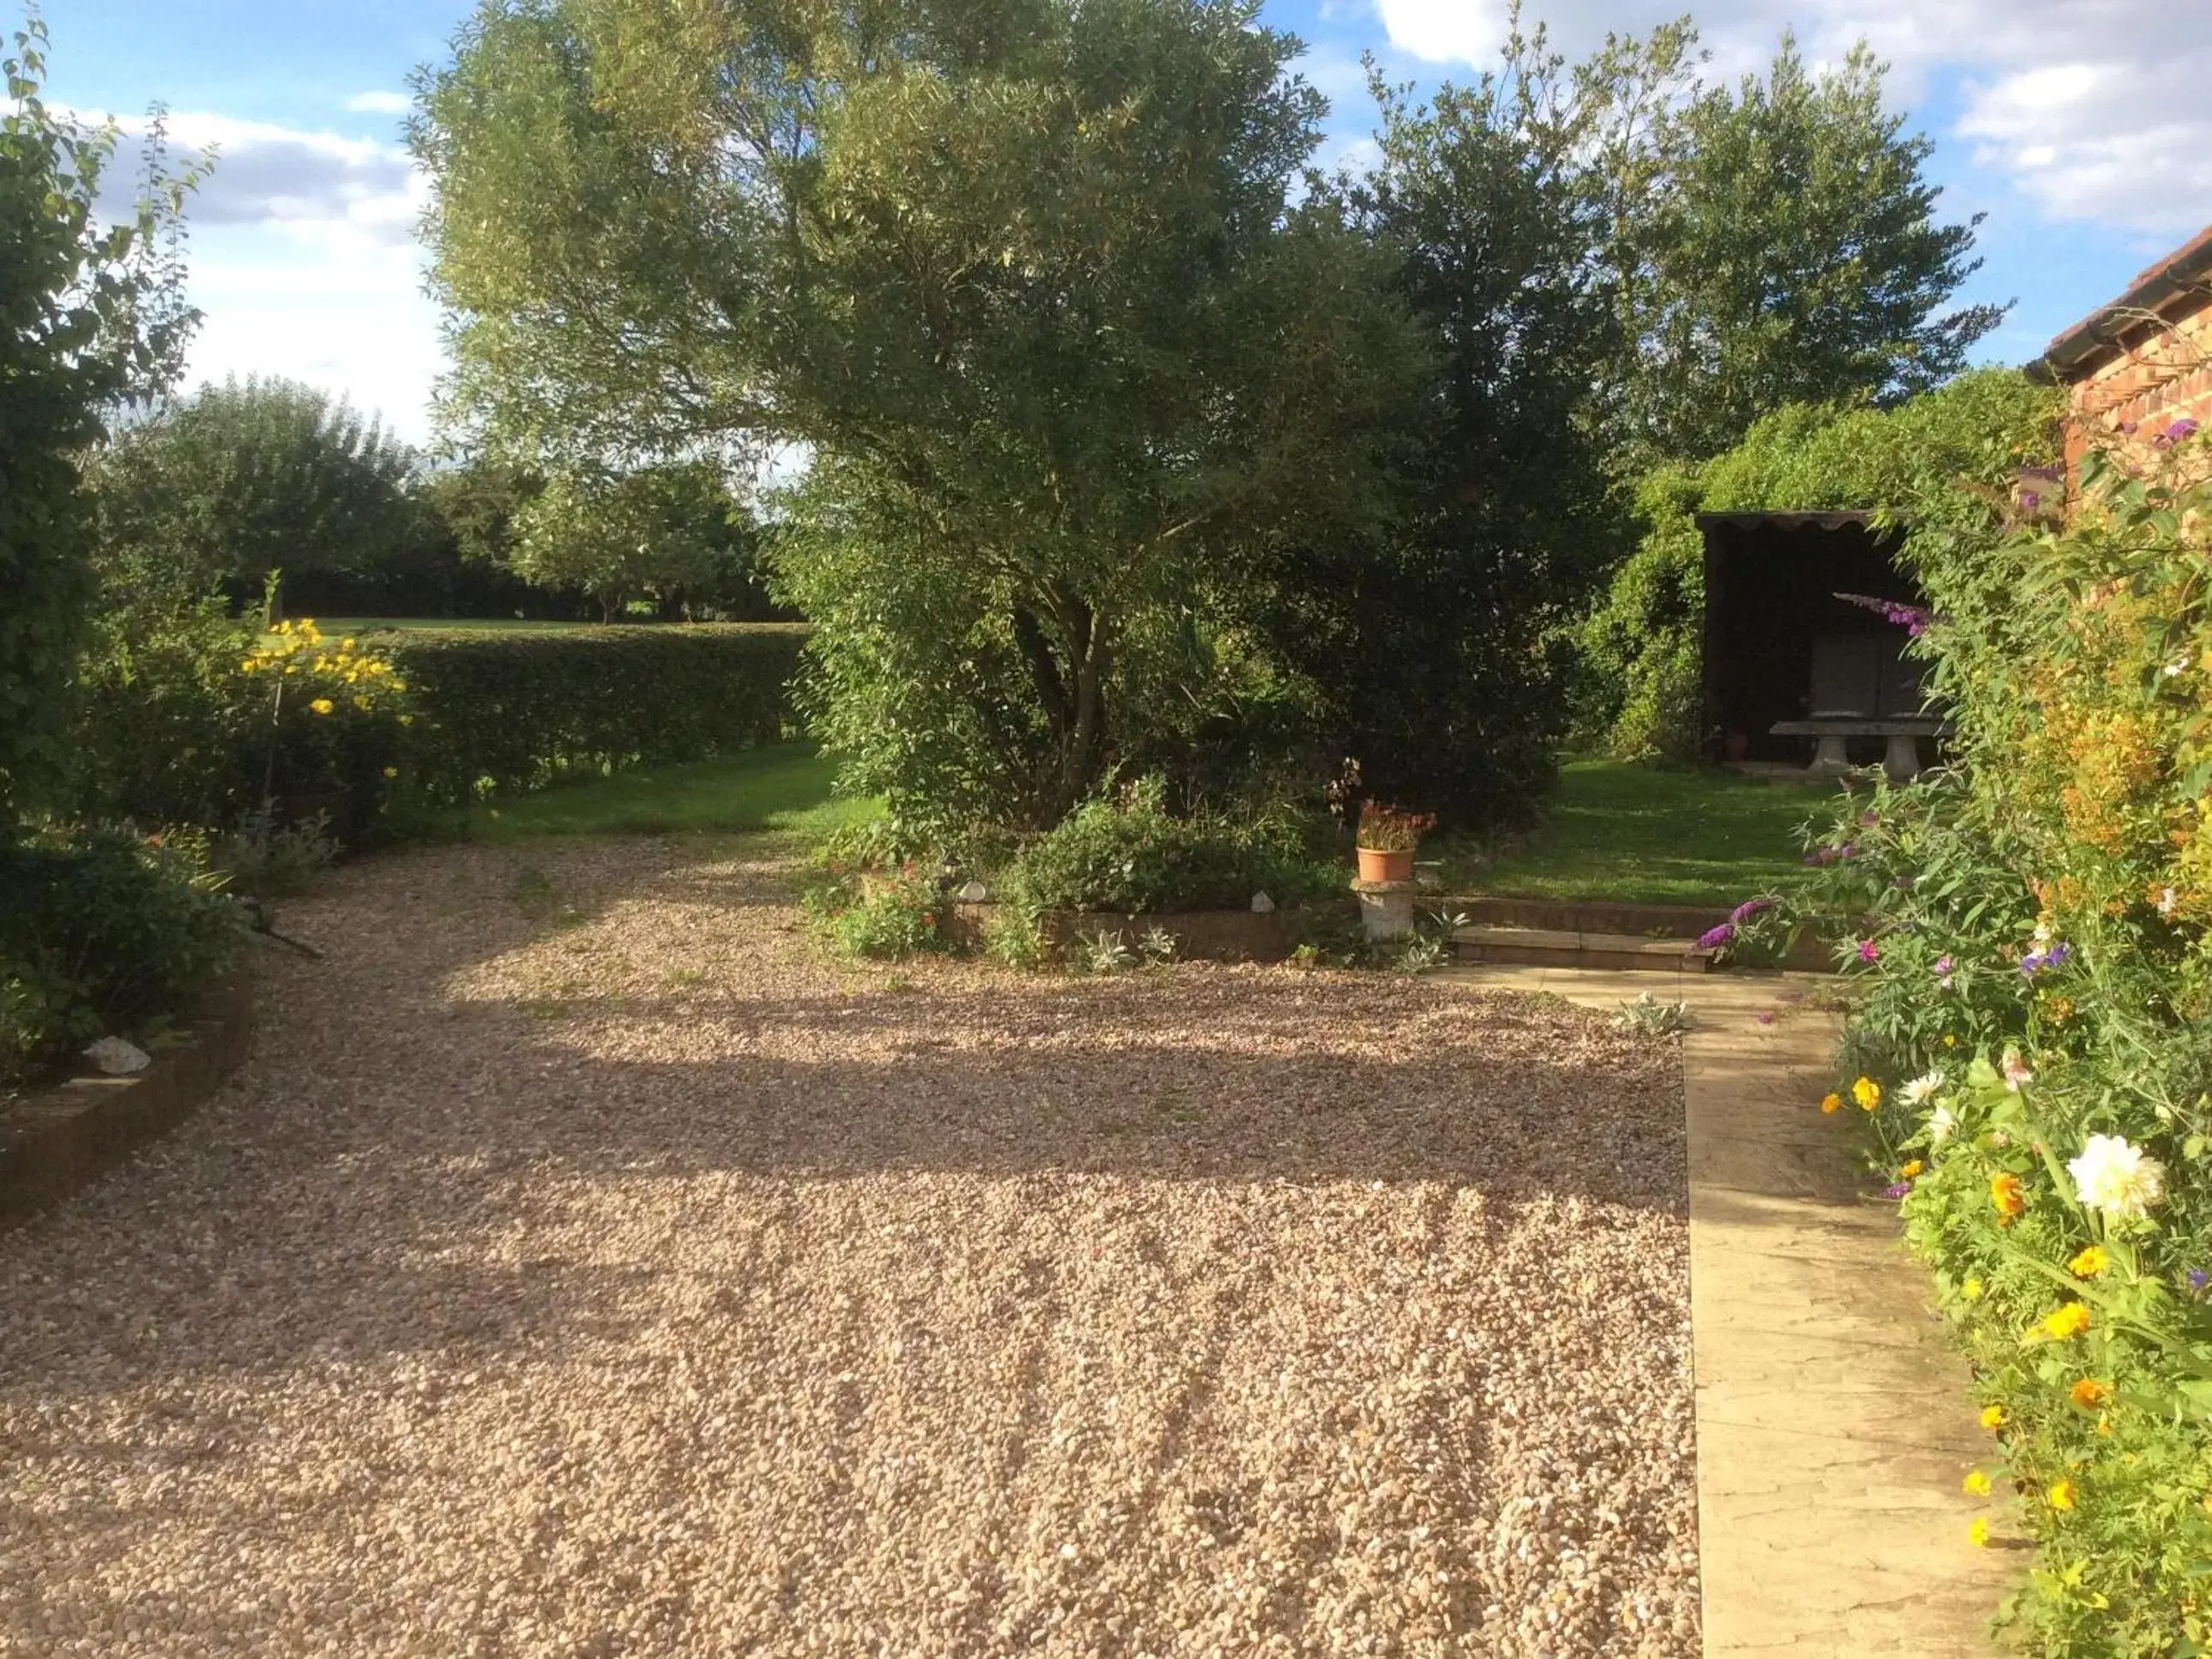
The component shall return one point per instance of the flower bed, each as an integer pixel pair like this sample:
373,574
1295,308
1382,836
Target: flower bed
2032,939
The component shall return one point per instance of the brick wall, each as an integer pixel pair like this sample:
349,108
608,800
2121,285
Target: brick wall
2160,376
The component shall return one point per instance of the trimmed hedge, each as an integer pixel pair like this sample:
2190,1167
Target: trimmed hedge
499,711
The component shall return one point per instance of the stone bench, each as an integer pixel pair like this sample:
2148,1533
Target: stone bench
1901,761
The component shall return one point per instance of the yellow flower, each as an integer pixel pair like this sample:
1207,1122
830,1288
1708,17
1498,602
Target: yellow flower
1910,1169
2087,1392
2104,1425
399,685
1992,1417
407,719
1950,1041
1977,1483
345,645
322,705
2091,1262
391,771
1829,1102
249,665
1868,1093
2060,1497
1978,1532
2069,1321
1971,1290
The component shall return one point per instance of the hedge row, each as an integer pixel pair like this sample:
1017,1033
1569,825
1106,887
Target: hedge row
499,711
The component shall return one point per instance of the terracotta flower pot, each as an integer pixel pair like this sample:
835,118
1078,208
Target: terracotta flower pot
1376,865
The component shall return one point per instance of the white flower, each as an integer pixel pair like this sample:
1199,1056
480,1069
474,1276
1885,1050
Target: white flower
1940,1125
2042,934
2167,900
2015,1070
2179,665
2121,1180
1922,1089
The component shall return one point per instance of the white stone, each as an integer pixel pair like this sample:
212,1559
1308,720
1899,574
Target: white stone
118,1058
1261,904
974,893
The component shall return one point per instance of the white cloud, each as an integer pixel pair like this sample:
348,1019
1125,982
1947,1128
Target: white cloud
1444,31
380,103
2095,109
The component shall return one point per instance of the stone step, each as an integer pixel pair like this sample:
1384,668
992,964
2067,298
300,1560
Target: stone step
1538,947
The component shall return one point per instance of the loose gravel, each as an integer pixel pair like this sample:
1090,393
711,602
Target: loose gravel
583,1266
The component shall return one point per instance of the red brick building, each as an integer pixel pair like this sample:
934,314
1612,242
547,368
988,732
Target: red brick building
2138,364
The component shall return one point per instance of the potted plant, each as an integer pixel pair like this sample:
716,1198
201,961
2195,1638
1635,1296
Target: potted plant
1388,836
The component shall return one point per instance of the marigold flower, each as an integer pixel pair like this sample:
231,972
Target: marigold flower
1978,1532
1868,1093
2007,1194
1993,1417
1832,1102
2091,1262
1971,1290
322,705
1977,1483
2068,1321
1910,1169
391,771
2060,1497
2087,1392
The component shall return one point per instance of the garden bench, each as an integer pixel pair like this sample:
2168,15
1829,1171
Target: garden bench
1901,761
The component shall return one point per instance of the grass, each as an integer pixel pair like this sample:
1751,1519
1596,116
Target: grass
785,786
336,625
1643,835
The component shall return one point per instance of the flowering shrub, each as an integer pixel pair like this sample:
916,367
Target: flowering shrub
330,706
2030,937
1392,829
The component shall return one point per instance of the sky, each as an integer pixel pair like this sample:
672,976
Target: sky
2078,127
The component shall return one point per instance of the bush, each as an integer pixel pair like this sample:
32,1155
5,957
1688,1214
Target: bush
501,712
2032,939
1130,854
103,931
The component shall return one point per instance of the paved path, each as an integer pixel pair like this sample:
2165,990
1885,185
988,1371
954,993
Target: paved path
1834,1421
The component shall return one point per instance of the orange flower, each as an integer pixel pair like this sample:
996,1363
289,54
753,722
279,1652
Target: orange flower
2091,1262
1910,1169
1831,1102
2007,1194
2088,1394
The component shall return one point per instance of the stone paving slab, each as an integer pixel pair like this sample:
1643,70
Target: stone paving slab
1834,1419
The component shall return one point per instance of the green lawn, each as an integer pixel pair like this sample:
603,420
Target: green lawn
1645,835
784,786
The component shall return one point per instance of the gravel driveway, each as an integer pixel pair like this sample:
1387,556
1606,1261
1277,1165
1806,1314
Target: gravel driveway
582,1265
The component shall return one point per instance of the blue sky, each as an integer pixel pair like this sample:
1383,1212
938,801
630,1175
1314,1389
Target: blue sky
2078,126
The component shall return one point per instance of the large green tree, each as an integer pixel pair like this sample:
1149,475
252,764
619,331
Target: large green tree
1023,279
672,532
90,315
1771,243
241,479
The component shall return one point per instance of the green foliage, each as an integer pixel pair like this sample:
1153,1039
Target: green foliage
246,479
778,787
2030,937
1642,648
1774,243
89,316
102,932
672,533
1128,853
1027,285
864,903
501,712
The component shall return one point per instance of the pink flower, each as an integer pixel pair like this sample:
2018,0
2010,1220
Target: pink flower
1869,950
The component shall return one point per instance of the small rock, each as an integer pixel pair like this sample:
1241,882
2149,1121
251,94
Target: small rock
1261,904
974,893
118,1058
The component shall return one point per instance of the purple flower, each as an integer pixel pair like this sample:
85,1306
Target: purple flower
1847,852
1868,819
2184,428
1897,1189
1943,969
2051,956
2198,1279
1714,937
1750,908
1913,618
2030,500
1869,950
2127,428
2051,473
1767,1017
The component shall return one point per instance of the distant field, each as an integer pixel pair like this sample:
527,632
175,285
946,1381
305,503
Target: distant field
420,625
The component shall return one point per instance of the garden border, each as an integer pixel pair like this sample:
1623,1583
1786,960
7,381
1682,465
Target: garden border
57,1139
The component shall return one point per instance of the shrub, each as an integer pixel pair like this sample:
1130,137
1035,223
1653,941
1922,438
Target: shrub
1130,854
499,712
894,913
2032,940
103,931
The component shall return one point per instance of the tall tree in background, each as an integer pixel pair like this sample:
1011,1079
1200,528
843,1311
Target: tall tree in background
672,533
250,476
1771,243
1024,278
90,316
